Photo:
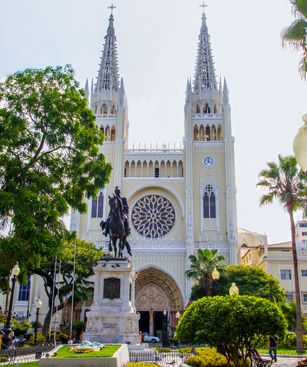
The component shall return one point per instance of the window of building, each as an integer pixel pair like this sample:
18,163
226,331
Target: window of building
303,225
97,207
24,291
157,172
285,274
289,297
209,202
305,298
304,273
304,233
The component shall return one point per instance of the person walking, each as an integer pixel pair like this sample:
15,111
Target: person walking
272,348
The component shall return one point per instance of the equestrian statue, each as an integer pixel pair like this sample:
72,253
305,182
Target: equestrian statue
117,224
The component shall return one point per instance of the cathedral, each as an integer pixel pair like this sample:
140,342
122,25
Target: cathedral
180,199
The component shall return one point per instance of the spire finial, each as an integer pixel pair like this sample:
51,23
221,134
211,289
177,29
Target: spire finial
203,5
112,7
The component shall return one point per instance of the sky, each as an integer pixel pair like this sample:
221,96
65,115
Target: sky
157,44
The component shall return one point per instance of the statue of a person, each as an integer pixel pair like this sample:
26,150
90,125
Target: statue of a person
124,209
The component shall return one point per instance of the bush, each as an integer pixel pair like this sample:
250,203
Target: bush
185,350
141,364
207,357
40,338
163,350
79,327
3,359
289,341
21,327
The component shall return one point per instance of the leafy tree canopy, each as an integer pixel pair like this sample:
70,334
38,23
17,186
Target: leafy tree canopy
86,255
233,324
49,161
250,280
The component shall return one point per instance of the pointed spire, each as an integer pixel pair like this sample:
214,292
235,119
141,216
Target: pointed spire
87,93
204,73
108,75
188,91
92,88
225,93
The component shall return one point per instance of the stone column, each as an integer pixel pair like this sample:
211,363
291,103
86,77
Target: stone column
151,322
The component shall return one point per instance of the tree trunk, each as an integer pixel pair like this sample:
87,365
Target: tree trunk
299,328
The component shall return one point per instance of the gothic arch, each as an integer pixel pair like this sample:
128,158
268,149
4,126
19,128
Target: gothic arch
108,133
150,285
113,135
195,133
213,132
207,109
197,109
104,109
201,132
219,133
208,134
113,110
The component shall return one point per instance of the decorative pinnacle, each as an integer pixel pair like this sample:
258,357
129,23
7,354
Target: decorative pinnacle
112,7
203,5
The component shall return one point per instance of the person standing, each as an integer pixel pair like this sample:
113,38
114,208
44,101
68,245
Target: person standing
272,348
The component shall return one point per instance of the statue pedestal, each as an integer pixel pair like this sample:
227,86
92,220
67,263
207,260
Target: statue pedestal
113,318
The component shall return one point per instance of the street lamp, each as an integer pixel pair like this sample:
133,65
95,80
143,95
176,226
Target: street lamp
178,316
165,340
215,274
38,305
233,290
7,331
300,145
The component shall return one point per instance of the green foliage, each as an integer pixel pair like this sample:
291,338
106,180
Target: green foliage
233,324
294,35
289,311
20,327
163,349
79,327
289,341
202,266
251,281
40,338
207,357
185,350
49,161
3,359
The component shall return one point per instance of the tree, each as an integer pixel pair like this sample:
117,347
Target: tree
250,280
285,183
295,34
86,254
202,267
49,161
235,325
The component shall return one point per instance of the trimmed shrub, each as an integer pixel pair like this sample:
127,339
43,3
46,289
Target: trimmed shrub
3,359
185,350
207,357
141,364
40,338
163,350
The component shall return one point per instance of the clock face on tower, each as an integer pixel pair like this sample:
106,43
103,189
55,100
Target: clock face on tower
208,161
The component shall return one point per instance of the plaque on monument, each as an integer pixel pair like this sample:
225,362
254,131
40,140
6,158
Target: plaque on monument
111,288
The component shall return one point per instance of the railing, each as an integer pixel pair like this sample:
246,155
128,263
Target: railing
173,358
22,355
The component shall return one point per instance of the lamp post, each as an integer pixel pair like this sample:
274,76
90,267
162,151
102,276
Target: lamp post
300,145
38,305
7,330
165,340
234,290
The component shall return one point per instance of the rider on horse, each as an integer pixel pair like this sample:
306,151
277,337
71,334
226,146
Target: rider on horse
124,209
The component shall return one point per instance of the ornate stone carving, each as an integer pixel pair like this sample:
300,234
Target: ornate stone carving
153,216
153,297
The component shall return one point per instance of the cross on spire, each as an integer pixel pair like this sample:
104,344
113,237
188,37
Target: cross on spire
203,5
112,7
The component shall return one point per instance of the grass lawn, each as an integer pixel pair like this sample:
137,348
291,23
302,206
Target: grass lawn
282,351
106,351
29,364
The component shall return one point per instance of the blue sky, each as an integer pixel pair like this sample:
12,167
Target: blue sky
157,42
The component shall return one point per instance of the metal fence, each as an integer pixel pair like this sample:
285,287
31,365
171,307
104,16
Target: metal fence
13,355
162,359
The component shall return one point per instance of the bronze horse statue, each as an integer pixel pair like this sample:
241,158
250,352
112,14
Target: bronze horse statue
116,229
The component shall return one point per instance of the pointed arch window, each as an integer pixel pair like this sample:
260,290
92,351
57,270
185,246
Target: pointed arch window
209,203
97,206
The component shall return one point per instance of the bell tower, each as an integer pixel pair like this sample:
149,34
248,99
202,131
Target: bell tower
210,201
109,103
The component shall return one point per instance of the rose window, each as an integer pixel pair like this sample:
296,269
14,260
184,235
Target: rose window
153,216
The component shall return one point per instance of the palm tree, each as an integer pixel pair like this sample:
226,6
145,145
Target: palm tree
294,35
202,267
284,182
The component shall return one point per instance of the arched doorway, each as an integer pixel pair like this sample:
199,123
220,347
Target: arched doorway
157,291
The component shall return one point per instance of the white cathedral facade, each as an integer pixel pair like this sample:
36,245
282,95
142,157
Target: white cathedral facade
180,199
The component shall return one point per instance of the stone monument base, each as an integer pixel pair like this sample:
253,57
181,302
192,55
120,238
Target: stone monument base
113,318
